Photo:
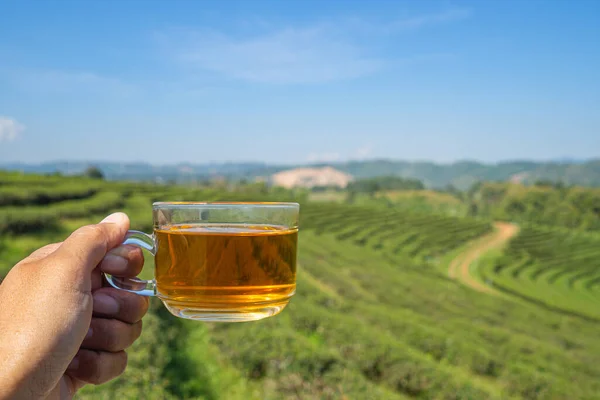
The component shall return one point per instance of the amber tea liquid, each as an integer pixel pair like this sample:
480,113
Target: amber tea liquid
234,271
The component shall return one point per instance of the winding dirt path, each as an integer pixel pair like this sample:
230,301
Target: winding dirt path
459,266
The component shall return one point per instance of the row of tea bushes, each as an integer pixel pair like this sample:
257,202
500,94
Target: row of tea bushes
43,195
19,220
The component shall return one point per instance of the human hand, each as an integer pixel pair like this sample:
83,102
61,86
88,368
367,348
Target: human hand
60,327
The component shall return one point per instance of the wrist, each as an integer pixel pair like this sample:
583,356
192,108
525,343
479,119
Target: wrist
15,382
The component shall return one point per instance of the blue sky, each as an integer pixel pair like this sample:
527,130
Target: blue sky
284,81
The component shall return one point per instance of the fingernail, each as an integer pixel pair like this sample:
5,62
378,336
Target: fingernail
74,363
104,304
124,250
113,218
114,263
89,333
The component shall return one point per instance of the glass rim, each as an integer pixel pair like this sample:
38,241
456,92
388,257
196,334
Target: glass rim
173,204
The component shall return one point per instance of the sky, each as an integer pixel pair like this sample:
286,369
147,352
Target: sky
298,81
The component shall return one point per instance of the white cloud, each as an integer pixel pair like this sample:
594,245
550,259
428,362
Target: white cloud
399,25
329,51
430,19
56,81
9,129
287,56
323,157
364,151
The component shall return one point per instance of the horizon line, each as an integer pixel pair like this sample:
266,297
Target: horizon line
557,160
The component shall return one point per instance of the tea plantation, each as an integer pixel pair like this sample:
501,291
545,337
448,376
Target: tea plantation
375,316
558,269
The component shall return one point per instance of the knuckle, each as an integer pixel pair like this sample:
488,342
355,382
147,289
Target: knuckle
39,254
137,330
106,366
93,370
99,367
116,336
113,346
18,269
145,305
132,333
140,308
122,362
109,336
133,307
49,248
92,232
25,271
114,339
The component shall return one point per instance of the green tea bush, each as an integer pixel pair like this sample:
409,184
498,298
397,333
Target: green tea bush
102,202
553,267
375,315
42,195
19,220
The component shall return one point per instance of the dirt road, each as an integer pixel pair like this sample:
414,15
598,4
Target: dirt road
459,267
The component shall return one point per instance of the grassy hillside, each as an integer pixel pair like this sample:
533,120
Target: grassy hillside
461,174
375,315
428,201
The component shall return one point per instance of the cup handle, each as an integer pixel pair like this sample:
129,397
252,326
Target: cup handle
136,285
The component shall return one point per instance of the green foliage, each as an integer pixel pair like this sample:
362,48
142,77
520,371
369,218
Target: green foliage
375,315
373,185
427,201
555,268
173,360
549,183
22,195
19,220
396,330
464,174
147,362
33,181
93,173
461,174
394,232
573,207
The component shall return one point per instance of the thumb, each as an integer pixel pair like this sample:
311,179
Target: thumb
86,247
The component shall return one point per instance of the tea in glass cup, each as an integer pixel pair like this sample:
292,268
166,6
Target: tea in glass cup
220,261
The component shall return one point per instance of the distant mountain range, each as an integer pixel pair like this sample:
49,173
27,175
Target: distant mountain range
460,174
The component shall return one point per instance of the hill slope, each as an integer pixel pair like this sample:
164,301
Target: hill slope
460,174
375,315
